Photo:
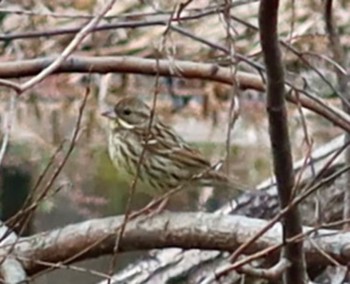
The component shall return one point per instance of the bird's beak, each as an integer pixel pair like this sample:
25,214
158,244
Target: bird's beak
109,114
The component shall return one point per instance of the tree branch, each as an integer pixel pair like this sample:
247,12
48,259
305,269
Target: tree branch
207,231
11,270
279,136
178,68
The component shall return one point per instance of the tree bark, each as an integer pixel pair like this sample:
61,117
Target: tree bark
279,136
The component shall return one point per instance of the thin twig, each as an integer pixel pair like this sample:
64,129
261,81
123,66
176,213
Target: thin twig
60,265
16,220
309,160
336,65
30,209
273,273
9,84
83,32
71,146
8,121
133,184
300,54
198,13
343,80
234,110
305,192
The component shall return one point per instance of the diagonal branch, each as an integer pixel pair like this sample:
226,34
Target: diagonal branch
67,51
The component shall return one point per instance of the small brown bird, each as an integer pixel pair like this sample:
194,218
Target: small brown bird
168,161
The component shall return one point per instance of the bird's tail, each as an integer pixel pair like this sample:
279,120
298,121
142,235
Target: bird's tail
221,180
226,189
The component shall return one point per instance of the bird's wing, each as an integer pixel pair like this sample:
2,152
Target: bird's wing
167,144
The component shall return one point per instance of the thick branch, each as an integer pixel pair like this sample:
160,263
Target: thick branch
129,64
11,270
184,230
178,68
279,135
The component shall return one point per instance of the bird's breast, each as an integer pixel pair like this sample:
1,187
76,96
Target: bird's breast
124,151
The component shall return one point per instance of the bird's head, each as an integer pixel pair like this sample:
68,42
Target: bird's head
129,113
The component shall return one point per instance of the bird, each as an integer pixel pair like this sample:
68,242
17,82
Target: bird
168,161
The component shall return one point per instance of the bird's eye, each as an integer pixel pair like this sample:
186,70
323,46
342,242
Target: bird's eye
126,111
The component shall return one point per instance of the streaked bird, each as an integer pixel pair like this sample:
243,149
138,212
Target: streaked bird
168,161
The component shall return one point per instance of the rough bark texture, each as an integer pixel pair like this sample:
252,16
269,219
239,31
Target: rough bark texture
184,230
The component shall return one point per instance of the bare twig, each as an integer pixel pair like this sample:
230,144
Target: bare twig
197,14
11,85
127,215
273,273
8,121
15,220
301,56
234,110
325,254
343,79
58,169
103,90
28,211
278,217
74,139
83,32
60,265
69,49
308,160
329,60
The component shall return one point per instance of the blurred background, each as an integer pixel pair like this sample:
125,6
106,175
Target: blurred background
46,115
